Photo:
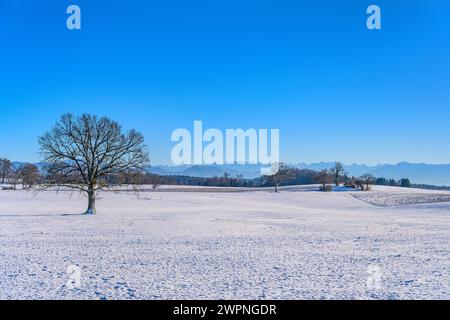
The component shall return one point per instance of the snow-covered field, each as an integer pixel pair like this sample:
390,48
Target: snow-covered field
389,243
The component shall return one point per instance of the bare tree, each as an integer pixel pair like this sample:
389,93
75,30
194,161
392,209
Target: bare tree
366,182
83,151
324,177
283,174
338,172
29,174
5,169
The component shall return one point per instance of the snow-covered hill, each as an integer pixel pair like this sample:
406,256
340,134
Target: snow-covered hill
297,244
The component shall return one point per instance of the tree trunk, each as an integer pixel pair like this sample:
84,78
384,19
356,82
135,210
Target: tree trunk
276,187
91,202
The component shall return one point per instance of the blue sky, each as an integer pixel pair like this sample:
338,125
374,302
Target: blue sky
336,90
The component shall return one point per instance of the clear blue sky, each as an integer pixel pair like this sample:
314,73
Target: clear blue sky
336,90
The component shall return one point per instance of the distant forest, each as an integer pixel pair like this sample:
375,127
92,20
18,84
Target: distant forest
301,177
29,175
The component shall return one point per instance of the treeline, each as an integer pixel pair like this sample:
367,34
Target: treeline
297,177
404,183
28,175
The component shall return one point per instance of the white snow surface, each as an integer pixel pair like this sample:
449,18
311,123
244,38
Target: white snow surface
296,244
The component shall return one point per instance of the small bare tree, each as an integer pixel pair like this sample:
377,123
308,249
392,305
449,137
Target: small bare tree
337,172
29,174
366,182
324,177
82,152
5,169
283,174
